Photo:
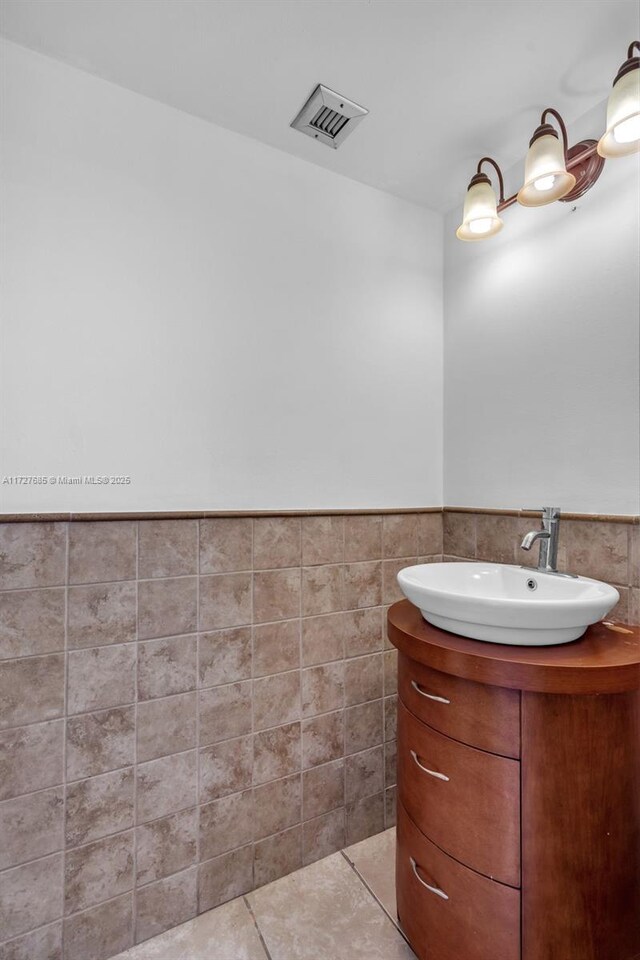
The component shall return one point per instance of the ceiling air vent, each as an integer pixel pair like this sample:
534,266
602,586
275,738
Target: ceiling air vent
328,117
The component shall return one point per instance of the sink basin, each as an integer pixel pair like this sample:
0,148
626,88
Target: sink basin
499,603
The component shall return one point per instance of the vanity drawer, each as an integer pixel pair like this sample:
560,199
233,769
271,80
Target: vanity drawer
464,800
483,716
479,920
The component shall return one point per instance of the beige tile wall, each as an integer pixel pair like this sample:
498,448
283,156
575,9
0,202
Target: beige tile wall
189,709
192,708
604,550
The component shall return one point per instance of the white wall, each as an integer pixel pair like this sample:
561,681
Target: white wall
230,326
235,328
542,352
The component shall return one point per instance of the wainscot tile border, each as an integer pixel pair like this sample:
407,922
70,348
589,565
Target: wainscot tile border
337,512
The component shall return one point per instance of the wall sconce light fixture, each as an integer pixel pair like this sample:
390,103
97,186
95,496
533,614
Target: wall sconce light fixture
622,135
480,216
553,170
546,177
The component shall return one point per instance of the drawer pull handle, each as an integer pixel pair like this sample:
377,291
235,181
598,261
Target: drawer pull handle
438,892
429,696
432,773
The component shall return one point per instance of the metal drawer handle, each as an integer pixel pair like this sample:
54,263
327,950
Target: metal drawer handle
438,892
429,696
432,773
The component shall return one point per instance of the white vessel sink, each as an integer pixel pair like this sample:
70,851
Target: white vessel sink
506,604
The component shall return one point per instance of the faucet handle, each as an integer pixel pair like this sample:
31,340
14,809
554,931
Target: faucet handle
548,513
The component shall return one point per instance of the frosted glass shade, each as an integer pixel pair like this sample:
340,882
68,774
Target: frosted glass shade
480,215
545,176
622,136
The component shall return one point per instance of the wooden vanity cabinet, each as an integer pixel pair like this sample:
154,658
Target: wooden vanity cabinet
518,795
445,786
480,918
483,716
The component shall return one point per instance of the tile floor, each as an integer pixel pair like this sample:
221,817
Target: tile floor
339,908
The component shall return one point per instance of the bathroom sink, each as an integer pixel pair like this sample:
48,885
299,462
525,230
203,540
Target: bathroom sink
499,603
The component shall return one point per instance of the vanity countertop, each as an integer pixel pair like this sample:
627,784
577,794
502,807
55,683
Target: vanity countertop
605,660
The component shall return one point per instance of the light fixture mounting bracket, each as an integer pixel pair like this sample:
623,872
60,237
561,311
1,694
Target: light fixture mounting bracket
586,171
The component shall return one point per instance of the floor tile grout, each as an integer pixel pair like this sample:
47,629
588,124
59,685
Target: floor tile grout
257,926
394,920
281,919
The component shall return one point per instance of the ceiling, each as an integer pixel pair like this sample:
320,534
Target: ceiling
445,80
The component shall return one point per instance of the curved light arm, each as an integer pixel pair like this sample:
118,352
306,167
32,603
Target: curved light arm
561,124
498,171
636,43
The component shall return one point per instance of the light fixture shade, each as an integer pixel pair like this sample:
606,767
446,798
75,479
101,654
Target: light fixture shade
480,215
545,175
622,136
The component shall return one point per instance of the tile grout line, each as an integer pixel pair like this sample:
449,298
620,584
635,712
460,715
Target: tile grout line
93,906
257,926
190,576
41,926
130,829
79,846
393,920
192,749
121,832
222,573
194,633
170,696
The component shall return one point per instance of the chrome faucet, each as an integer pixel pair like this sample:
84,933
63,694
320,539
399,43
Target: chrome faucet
548,537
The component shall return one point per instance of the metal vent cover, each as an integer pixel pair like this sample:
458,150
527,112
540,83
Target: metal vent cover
328,117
